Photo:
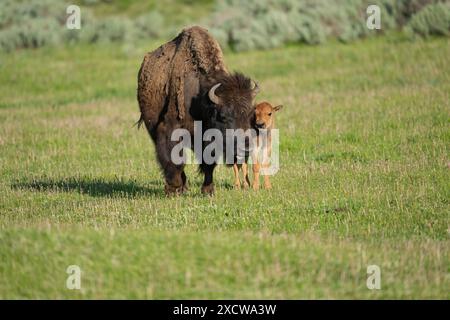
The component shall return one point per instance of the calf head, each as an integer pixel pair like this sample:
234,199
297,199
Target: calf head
264,115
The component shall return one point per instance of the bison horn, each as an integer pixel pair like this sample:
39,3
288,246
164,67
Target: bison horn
212,95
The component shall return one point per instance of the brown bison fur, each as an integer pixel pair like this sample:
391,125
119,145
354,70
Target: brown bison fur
174,89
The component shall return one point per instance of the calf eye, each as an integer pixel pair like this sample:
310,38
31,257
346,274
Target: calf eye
270,114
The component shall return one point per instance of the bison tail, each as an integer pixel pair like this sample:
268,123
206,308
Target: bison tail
139,122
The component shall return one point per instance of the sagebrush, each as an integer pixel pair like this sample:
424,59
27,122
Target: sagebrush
35,23
262,24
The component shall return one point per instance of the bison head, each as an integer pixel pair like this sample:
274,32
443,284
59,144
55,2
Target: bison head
229,103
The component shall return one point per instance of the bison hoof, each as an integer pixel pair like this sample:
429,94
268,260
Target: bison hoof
208,190
173,190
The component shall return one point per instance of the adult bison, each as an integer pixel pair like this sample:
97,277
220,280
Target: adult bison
183,81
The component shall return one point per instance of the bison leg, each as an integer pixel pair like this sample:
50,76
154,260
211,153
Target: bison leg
184,179
208,185
173,174
174,179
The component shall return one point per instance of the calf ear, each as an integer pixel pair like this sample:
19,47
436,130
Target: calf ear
277,108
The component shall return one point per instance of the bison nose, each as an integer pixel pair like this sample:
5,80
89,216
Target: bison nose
260,125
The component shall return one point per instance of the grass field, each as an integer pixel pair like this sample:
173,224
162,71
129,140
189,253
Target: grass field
364,179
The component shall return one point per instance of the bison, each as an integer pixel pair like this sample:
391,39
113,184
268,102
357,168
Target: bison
183,81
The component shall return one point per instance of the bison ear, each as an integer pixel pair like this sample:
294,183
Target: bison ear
277,108
212,94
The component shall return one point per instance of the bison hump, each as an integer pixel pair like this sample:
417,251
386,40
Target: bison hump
204,49
163,73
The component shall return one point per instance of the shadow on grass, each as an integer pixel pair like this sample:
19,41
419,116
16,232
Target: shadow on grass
224,185
93,187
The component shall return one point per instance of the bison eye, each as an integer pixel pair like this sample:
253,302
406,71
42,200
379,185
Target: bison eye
270,114
220,117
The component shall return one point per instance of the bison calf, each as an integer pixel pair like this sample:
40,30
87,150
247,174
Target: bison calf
264,123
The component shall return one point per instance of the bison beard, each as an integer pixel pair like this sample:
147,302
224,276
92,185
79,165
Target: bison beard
183,81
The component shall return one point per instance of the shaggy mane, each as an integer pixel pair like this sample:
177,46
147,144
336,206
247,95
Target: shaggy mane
235,83
236,90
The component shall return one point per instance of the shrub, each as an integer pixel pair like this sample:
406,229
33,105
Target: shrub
240,25
31,24
150,25
17,12
260,24
306,29
39,32
33,33
433,19
110,29
405,9
36,23
267,23
9,39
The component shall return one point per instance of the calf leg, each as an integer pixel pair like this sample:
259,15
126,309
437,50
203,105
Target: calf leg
255,174
267,184
266,165
237,182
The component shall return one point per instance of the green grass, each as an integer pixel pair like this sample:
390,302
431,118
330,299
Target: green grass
364,179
